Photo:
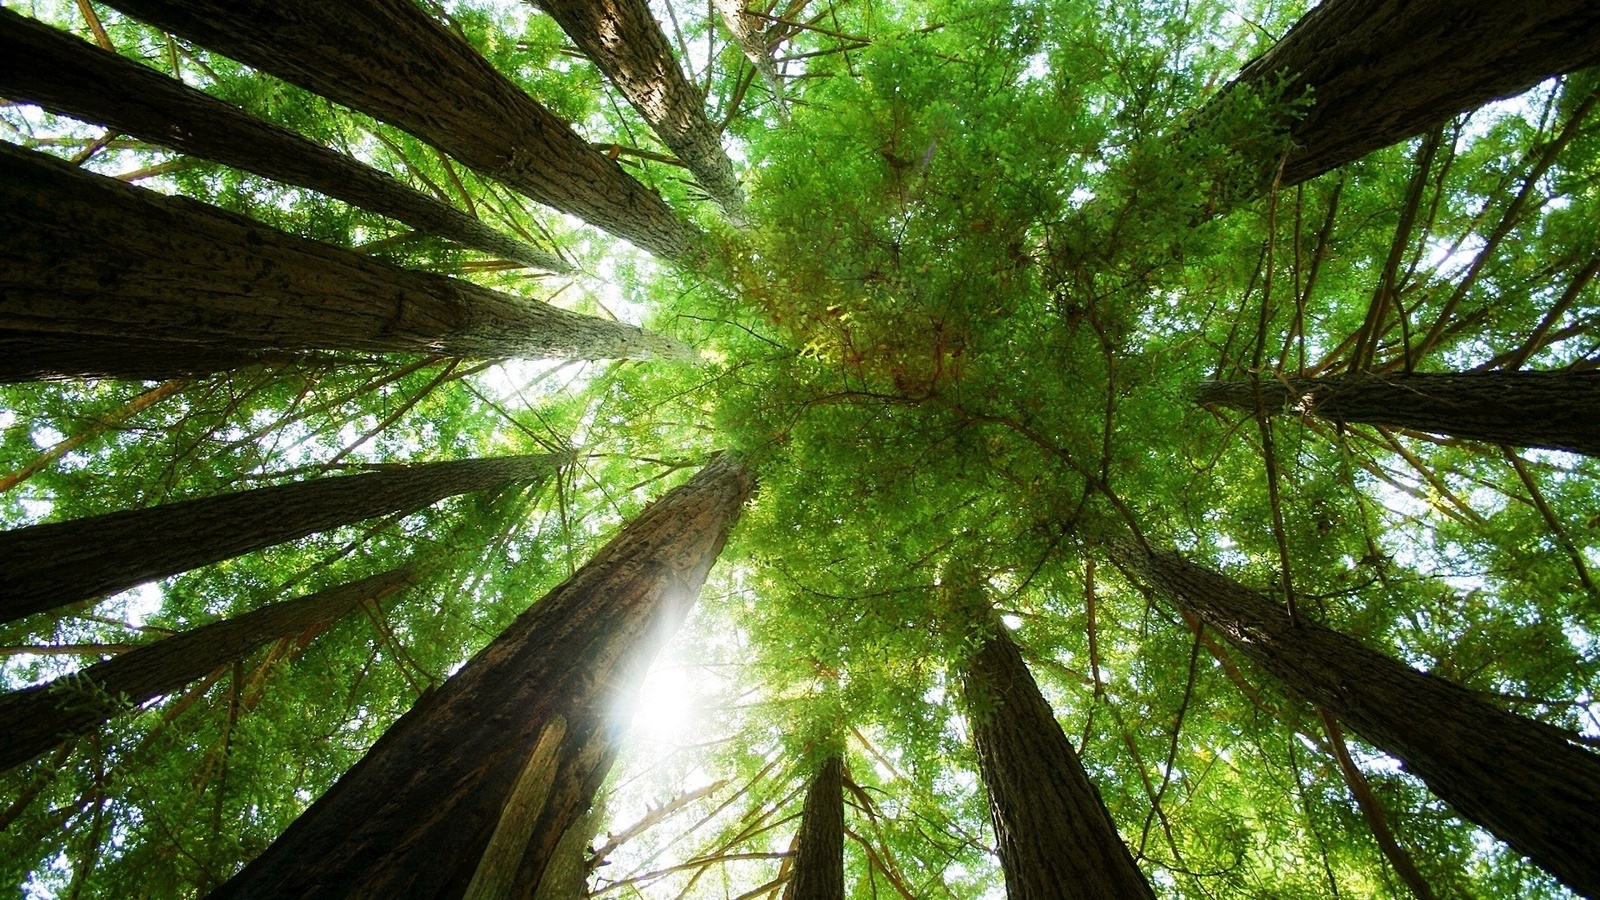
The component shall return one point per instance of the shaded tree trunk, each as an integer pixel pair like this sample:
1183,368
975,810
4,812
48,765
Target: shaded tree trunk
390,60
31,356
818,872
35,719
45,566
65,75
1522,781
1054,835
87,257
415,816
1554,410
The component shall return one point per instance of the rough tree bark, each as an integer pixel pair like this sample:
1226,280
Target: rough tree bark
45,566
35,719
748,33
1554,410
30,356
414,817
39,64
390,60
87,257
1522,781
818,871
623,38
1055,838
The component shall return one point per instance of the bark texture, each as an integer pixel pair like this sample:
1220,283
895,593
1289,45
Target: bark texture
1522,781
623,38
390,60
31,356
1554,410
1055,838
414,816
87,257
45,566
65,75
818,872
35,719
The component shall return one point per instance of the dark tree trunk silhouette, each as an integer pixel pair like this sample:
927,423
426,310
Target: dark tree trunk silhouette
476,785
63,74
390,60
1519,779
45,566
31,356
818,871
87,257
35,719
1554,410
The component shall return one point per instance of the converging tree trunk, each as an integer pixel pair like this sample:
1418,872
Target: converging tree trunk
470,792
45,566
31,356
1522,781
39,64
818,871
1554,410
87,257
390,60
35,719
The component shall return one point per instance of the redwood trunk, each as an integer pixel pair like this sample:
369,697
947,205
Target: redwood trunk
1520,780
1554,410
35,719
39,64
30,356
45,566
85,257
1056,839
390,60
415,815
818,872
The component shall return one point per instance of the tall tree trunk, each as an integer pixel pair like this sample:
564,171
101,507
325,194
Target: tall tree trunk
390,60
1554,410
750,35
1055,837
818,872
45,566
623,38
83,256
63,74
478,758
35,719
1522,781
32,356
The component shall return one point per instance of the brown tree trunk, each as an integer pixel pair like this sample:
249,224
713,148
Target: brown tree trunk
45,566
87,257
478,758
390,60
1056,839
1522,781
818,871
623,38
65,75
35,719
31,356
1554,410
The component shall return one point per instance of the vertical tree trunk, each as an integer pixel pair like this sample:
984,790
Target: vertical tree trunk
1554,410
414,817
87,257
35,719
45,566
1055,837
818,872
749,35
1523,782
39,64
390,60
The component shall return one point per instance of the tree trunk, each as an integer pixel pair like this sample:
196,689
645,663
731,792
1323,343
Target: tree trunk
45,566
415,816
818,872
1554,410
87,257
390,60
39,64
749,35
31,356
35,719
1522,781
1056,839
623,38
